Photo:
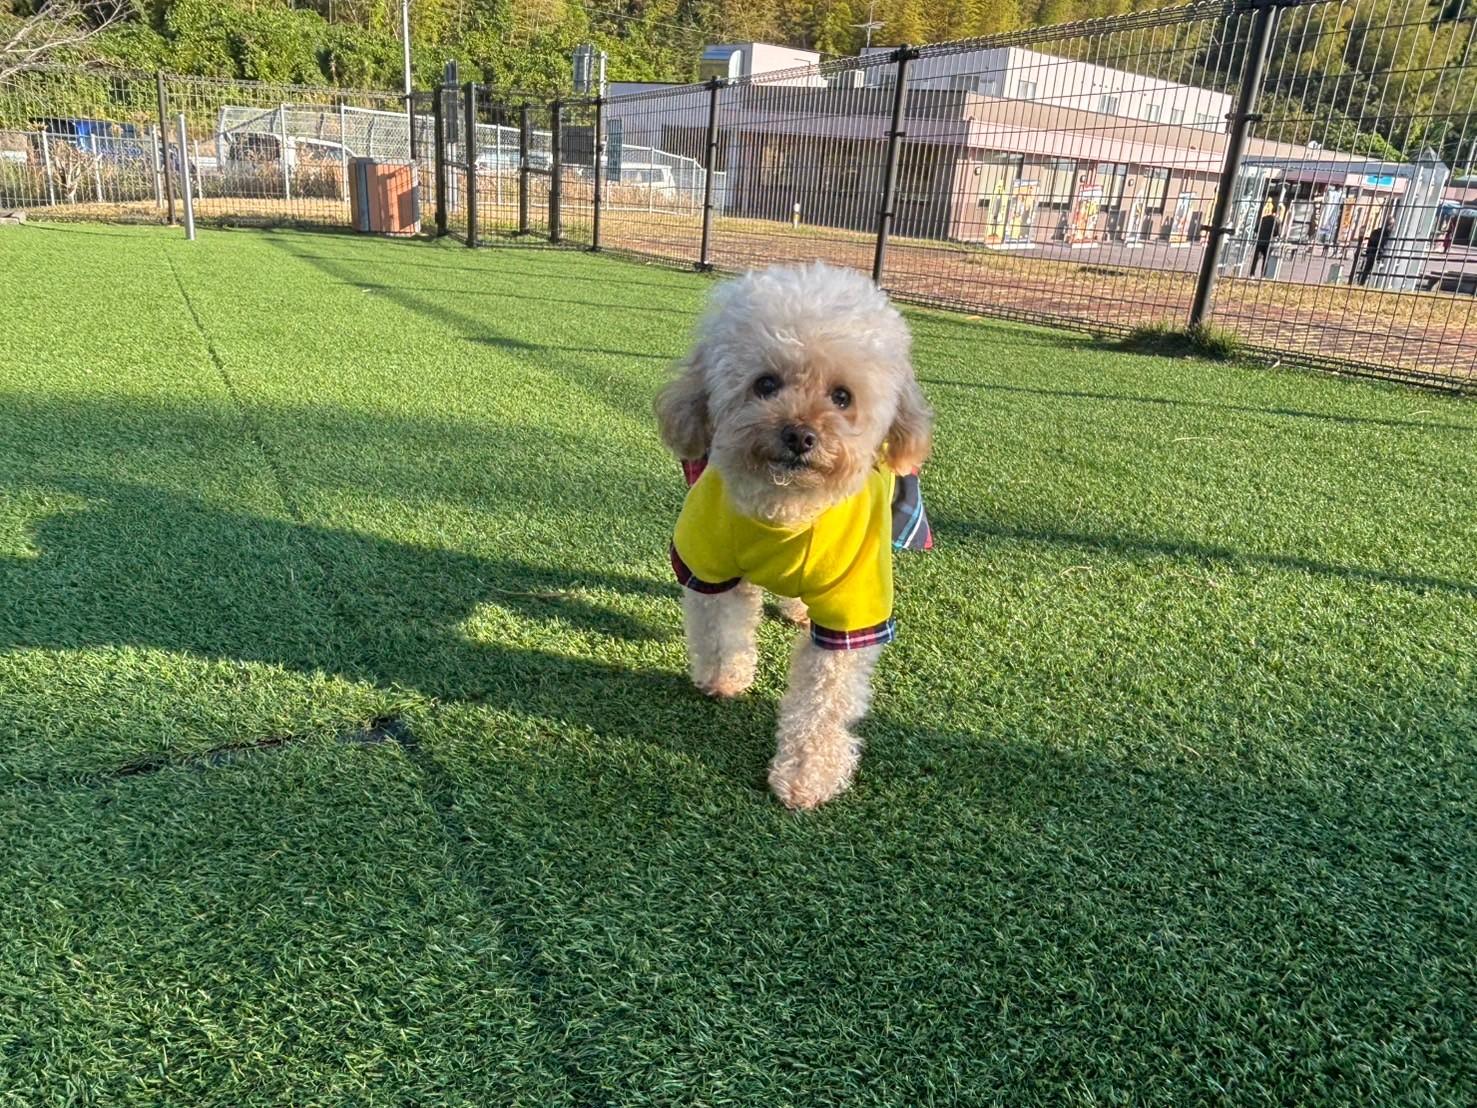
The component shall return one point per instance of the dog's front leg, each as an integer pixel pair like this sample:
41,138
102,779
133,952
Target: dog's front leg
720,638
817,754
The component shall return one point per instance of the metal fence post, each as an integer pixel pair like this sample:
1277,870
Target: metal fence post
704,262
185,193
599,145
158,180
556,171
523,137
46,161
286,172
343,150
164,141
438,155
469,148
902,56
97,173
1255,68
497,162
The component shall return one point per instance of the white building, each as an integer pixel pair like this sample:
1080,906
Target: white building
1012,73
745,59
739,59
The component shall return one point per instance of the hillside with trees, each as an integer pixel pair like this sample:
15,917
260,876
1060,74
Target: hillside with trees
527,42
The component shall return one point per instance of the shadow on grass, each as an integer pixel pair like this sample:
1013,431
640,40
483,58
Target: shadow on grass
144,568
1135,547
92,230
438,306
1212,405
521,263
503,294
508,343
963,870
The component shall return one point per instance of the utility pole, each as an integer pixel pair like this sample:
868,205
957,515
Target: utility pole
405,49
871,24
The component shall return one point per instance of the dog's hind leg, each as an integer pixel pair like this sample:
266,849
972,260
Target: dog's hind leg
792,610
817,754
721,648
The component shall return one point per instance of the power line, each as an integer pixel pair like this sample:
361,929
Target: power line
871,24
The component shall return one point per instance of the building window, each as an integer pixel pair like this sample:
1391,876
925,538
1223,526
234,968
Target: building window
1058,183
1108,104
968,82
1026,90
1112,176
1156,188
1176,115
1152,112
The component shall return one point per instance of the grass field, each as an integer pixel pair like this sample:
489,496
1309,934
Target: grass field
349,759
1428,337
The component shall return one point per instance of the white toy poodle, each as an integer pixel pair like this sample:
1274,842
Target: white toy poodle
801,427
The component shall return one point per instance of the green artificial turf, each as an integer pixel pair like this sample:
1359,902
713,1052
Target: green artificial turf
348,756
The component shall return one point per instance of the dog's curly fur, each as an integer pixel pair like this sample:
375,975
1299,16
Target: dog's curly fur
815,329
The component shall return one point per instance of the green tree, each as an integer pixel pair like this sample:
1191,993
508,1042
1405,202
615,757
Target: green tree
837,34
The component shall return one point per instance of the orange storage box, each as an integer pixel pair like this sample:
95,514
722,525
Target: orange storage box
384,197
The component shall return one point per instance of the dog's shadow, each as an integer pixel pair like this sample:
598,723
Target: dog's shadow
221,584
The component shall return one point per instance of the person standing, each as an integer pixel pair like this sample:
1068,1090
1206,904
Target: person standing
1372,251
1266,234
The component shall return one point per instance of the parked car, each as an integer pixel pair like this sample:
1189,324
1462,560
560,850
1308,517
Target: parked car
658,178
261,146
506,160
103,138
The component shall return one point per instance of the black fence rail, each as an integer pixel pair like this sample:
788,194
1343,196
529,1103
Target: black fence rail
1295,174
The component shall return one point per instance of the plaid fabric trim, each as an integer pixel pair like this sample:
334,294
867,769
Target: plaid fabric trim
687,580
827,639
692,469
910,529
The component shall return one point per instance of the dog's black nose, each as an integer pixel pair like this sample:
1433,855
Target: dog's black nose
798,438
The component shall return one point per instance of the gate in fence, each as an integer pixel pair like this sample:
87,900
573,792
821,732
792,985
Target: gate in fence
1297,173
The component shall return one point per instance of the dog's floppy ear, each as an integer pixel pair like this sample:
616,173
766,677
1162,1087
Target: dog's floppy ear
682,410
910,438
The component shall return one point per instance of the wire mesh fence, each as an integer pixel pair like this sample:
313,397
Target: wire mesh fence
1355,209
105,144
1295,173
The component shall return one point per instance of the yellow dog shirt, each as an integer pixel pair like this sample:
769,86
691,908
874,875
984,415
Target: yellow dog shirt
840,564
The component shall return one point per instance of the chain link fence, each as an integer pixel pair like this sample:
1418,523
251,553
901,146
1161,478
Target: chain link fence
1296,174
81,144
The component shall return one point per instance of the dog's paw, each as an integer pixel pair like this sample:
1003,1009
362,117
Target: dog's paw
734,678
804,781
725,686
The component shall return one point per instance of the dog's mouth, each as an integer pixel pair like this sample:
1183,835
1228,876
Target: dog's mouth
785,470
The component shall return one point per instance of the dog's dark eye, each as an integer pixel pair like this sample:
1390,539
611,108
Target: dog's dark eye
841,397
767,385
